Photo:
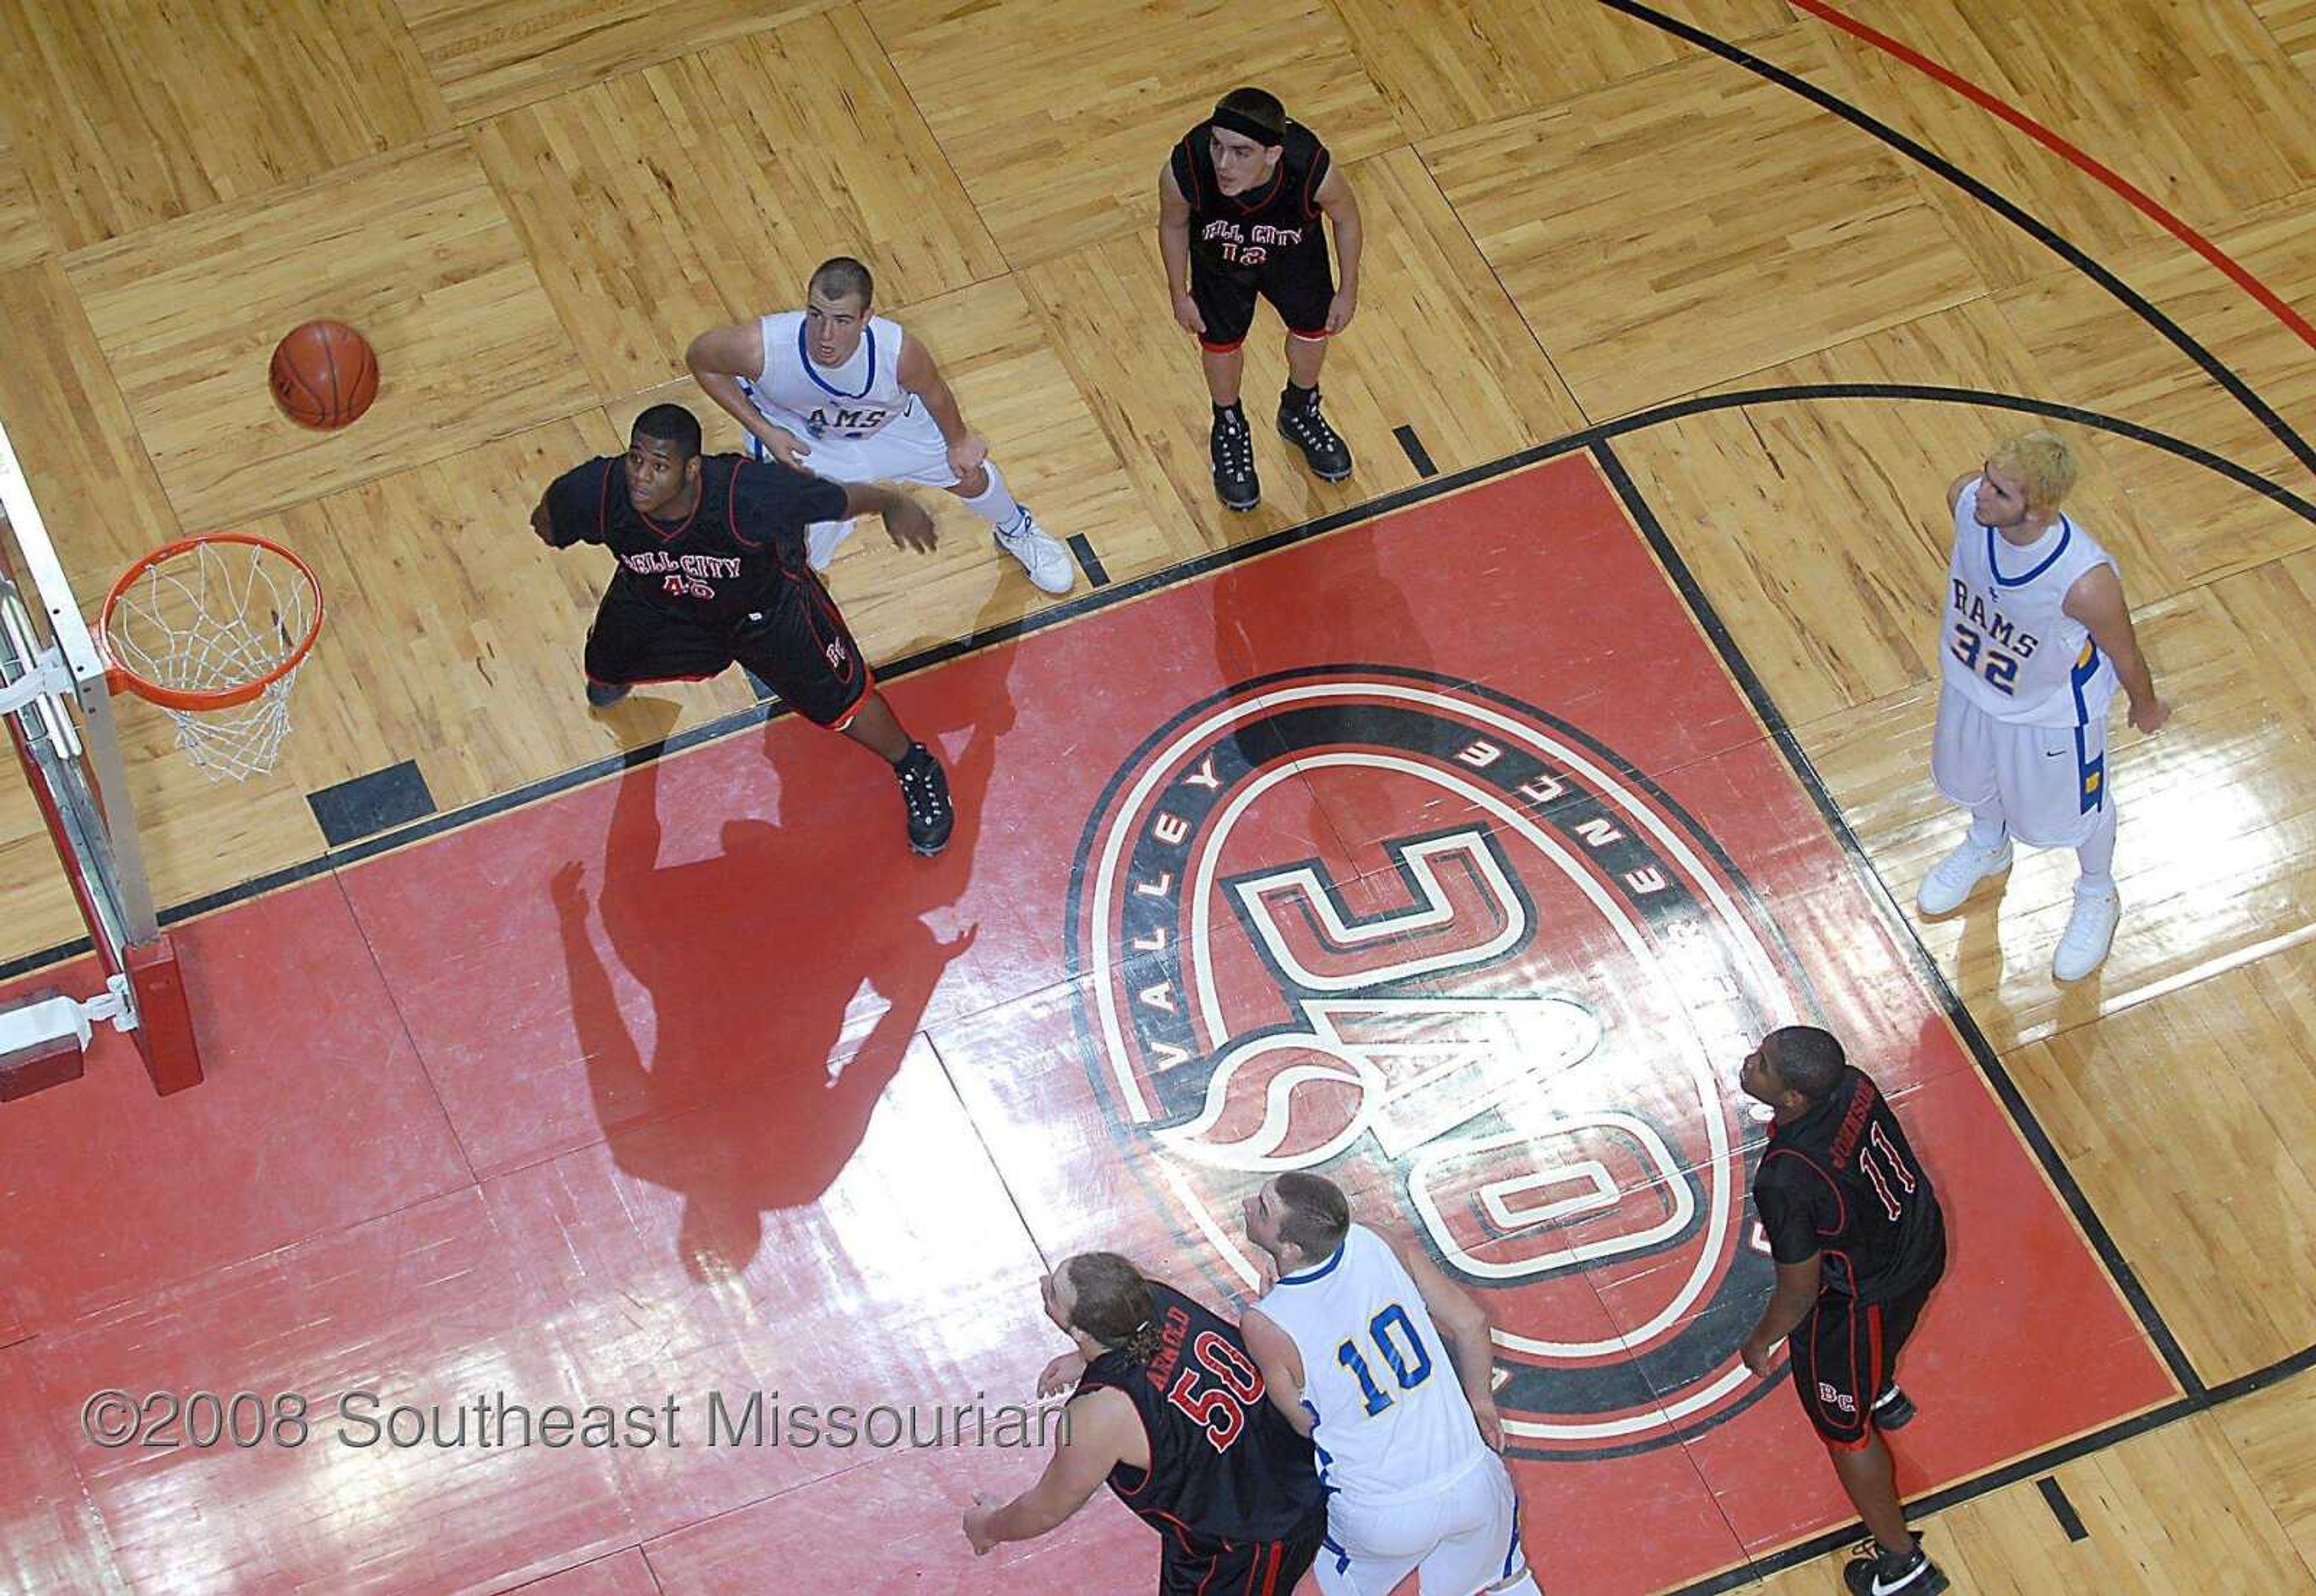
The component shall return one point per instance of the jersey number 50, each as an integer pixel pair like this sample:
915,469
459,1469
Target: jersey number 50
1411,1367
2000,670
1220,1408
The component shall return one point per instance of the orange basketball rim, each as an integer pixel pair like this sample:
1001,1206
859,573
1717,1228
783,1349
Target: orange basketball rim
213,630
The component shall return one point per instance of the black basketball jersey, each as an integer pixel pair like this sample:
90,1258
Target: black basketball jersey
1242,234
1842,1179
1225,1465
718,564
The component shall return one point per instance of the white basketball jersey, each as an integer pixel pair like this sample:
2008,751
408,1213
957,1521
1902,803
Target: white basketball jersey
2009,645
1392,1421
854,400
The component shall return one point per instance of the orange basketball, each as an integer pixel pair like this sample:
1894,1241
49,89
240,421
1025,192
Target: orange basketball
325,374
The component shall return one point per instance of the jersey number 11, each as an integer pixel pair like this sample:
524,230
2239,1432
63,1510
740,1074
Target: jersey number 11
1871,1165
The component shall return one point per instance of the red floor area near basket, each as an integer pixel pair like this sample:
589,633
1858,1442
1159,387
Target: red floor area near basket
1438,854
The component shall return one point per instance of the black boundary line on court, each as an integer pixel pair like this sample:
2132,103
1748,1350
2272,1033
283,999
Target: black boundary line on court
1189,570
2007,210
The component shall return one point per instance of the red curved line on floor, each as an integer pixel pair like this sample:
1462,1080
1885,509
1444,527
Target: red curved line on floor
2044,136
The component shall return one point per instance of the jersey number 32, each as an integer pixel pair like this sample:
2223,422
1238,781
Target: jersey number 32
2000,670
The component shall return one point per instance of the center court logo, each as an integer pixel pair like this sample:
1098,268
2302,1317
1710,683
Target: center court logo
1461,958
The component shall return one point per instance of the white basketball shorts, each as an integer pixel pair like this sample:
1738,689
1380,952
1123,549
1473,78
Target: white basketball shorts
908,448
1464,1537
2049,781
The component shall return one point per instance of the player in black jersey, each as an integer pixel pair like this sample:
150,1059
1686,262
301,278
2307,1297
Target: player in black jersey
1171,1411
711,570
1238,204
1859,1240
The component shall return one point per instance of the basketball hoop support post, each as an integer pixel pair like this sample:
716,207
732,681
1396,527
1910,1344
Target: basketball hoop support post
81,786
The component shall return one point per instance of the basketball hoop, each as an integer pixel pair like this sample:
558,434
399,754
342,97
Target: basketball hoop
213,630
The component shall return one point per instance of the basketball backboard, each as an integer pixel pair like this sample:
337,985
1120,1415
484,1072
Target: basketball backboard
56,696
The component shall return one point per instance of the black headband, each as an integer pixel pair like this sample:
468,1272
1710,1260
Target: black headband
1239,122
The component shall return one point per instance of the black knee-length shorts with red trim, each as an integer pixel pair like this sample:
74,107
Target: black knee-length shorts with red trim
1301,283
799,645
1196,1566
1845,1355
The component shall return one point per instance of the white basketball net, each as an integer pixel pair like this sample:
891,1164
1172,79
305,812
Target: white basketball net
218,616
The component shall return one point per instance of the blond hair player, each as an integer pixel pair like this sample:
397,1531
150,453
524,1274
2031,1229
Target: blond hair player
2037,637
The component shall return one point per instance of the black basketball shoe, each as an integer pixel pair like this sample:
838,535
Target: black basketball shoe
925,789
1893,1409
1302,425
1232,446
603,695
1874,1570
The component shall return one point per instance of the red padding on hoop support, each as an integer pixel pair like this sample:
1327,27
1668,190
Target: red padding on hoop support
25,1070
165,1020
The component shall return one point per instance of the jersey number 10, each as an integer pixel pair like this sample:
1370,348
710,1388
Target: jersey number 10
1411,1367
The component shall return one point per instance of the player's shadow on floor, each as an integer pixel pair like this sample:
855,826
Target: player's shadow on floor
1352,604
1363,615
785,969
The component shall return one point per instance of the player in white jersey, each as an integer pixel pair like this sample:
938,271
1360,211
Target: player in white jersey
2035,638
1387,1365
844,394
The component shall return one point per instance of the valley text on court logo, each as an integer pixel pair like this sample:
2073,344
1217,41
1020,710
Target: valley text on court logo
1518,1018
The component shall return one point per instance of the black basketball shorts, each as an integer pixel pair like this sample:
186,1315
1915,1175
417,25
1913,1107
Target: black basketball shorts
1194,1566
1300,283
799,645
1845,1355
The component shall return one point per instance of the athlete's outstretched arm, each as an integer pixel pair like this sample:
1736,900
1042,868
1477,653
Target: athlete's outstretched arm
2097,601
1096,1430
1789,1304
921,376
1274,1353
1342,207
719,357
1469,1344
1174,249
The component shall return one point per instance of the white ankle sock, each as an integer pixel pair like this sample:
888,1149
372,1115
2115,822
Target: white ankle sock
994,503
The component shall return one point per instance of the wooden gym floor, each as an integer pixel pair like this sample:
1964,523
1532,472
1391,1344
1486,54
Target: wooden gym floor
1582,214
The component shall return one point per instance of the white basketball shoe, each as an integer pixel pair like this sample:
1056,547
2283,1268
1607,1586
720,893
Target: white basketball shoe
2089,933
1952,878
1041,555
